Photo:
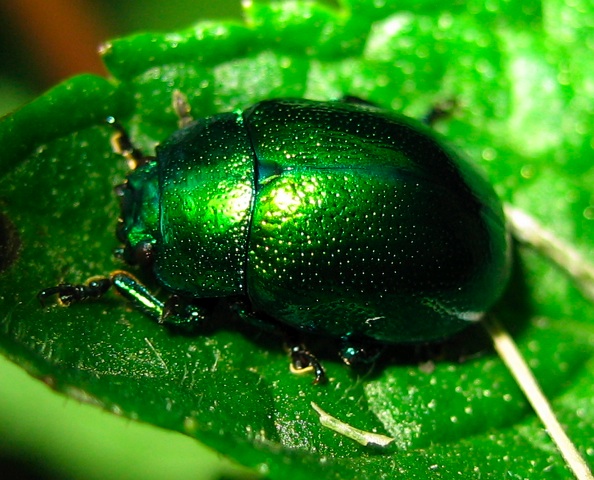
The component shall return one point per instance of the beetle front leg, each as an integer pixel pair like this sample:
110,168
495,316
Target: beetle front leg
71,293
137,294
180,311
175,311
124,283
122,145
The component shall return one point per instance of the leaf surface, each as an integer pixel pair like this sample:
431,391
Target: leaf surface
522,84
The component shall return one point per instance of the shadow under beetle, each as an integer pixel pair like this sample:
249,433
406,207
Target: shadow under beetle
335,218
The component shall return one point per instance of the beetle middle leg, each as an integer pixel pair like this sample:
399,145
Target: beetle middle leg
302,360
71,293
357,353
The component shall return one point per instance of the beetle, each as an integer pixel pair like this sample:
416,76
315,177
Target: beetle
335,218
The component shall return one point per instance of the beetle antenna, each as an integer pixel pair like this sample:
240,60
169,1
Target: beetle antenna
508,352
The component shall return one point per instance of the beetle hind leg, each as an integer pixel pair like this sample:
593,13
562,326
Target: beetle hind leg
122,145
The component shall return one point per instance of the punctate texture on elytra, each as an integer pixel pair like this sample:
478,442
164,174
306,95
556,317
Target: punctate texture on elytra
332,217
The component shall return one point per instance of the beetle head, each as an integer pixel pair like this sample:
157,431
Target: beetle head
138,223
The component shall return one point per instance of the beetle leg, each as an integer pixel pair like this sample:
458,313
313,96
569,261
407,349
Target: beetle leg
137,294
122,145
182,108
357,353
175,311
302,361
125,284
181,311
70,293
440,111
354,100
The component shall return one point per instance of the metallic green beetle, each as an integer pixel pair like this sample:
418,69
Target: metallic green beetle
335,218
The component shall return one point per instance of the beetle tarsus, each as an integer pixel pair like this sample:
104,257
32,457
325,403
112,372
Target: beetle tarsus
302,360
69,293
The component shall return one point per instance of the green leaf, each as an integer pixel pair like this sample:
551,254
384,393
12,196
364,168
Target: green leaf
522,82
